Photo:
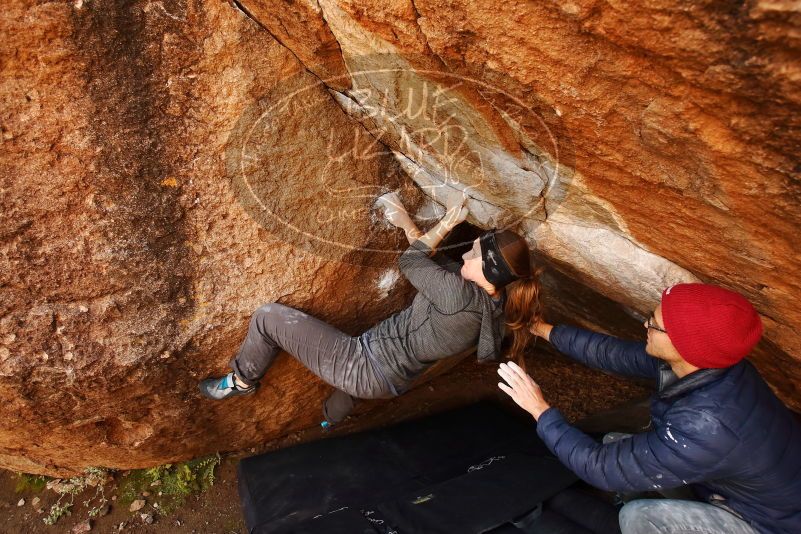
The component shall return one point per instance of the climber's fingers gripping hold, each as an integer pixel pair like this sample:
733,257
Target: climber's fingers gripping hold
456,214
390,199
456,209
394,211
455,206
462,215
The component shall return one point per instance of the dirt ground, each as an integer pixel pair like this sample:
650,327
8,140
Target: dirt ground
574,389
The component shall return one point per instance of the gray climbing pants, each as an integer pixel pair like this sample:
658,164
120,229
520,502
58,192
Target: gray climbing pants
341,360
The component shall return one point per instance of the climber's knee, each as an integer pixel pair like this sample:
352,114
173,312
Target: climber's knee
266,311
262,317
266,308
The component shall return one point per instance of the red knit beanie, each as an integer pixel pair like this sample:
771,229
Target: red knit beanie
711,327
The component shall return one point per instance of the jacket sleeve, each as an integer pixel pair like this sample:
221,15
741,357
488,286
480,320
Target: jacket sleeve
659,459
604,352
446,290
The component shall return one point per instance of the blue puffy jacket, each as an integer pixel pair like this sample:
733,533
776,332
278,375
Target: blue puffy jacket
721,431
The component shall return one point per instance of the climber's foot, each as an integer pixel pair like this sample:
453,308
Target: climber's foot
224,387
336,408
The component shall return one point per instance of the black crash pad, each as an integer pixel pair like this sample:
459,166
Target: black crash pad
475,469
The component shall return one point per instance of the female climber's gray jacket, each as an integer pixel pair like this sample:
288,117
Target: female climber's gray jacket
448,315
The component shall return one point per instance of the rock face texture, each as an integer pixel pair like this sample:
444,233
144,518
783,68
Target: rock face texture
166,167
130,265
637,145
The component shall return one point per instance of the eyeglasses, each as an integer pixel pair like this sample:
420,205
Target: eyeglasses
653,326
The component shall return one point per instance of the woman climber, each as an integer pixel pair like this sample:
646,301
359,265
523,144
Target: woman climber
450,313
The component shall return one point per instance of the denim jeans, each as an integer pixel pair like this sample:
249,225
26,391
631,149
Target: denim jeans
676,514
670,516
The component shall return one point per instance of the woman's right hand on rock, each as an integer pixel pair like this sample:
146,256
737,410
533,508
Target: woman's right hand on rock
456,210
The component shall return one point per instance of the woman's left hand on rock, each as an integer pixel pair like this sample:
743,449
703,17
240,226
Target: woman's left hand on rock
394,210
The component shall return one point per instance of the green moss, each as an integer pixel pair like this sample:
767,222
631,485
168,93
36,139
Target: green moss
169,485
31,483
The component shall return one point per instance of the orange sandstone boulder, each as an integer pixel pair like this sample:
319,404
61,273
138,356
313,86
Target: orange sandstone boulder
132,251
166,168
662,140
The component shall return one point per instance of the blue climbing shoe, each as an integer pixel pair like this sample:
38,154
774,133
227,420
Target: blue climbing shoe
223,388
